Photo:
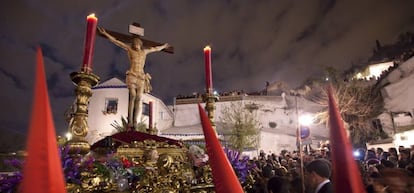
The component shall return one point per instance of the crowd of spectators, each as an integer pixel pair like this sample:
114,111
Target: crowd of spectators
390,171
229,93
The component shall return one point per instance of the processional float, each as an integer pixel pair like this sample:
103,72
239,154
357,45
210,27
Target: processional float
160,164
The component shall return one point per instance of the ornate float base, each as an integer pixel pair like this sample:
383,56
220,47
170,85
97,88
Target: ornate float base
139,162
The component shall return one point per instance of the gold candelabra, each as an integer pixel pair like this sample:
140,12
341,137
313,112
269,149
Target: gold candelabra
78,125
210,99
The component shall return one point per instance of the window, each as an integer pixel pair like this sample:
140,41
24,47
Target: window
111,106
161,115
272,125
145,109
377,124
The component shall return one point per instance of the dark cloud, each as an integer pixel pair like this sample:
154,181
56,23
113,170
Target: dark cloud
16,81
252,42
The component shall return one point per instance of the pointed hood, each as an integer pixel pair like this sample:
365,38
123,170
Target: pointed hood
346,175
42,170
224,177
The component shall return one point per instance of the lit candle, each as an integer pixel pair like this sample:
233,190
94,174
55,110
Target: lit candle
150,115
207,61
89,43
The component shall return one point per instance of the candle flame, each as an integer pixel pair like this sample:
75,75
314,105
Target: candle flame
207,48
92,15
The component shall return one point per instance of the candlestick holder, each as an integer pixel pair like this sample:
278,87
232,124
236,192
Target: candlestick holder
210,99
78,125
152,130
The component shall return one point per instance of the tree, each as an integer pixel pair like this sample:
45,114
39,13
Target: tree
241,125
359,104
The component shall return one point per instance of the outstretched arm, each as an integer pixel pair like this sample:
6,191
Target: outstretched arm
112,38
157,48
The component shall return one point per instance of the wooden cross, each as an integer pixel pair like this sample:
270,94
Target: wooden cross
137,32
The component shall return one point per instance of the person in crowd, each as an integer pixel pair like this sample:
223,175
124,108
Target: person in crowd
393,180
385,155
317,176
370,177
387,164
274,156
404,159
278,184
393,151
267,171
370,154
393,159
291,163
262,154
323,152
412,153
400,148
380,153
281,171
296,185
284,163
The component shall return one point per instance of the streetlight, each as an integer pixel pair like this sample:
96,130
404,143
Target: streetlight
303,120
306,120
299,143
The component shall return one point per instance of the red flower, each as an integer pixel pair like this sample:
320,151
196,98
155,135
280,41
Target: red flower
126,163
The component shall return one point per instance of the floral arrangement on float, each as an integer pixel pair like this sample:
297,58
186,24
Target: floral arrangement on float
242,167
103,174
9,182
108,173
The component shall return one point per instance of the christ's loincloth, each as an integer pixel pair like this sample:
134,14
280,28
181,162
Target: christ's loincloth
135,81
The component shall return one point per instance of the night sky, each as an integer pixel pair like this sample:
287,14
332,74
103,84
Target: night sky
252,42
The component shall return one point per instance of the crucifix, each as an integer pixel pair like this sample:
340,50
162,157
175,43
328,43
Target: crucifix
137,80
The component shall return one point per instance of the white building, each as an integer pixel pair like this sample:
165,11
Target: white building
277,115
375,70
398,93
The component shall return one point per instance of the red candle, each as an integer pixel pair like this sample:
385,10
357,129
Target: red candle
150,115
207,61
89,43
